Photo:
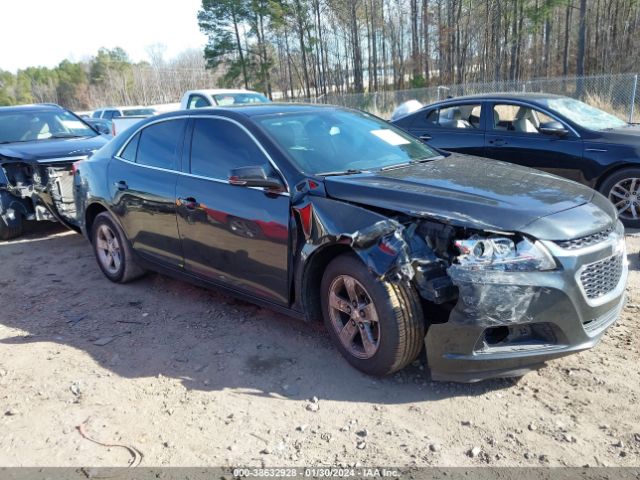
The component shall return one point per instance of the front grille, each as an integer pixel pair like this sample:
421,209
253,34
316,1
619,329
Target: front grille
587,241
602,277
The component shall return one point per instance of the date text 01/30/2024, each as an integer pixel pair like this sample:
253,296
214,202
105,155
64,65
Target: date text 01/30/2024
361,472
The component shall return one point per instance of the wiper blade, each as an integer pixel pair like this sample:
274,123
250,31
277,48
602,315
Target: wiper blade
350,171
7,142
410,162
66,135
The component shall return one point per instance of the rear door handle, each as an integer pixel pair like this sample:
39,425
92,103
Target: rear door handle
425,137
122,185
498,142
189,203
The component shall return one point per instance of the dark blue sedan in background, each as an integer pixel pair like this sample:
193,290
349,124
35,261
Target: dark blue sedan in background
556,134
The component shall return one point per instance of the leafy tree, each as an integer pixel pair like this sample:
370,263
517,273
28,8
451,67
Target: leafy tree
220,21
72,83
106,60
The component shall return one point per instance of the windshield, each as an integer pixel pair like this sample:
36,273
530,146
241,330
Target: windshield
132,112
586,116
339,141
239,98
43,125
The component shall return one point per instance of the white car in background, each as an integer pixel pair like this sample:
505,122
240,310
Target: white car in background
110,113
192,99
121,118
220,97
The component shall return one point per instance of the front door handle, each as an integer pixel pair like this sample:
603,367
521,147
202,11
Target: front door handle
498,142
122,185
189,203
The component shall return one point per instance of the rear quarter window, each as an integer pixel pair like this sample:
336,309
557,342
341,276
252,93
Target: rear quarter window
131,150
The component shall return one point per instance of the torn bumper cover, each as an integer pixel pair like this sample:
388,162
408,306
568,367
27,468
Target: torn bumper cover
502,323
508,323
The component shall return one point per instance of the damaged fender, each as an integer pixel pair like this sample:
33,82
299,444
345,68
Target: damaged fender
392,251
376,239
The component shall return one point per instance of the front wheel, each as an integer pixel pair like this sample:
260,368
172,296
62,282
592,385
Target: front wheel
623,190
7,232
378,326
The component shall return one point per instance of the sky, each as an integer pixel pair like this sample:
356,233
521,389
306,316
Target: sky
45,32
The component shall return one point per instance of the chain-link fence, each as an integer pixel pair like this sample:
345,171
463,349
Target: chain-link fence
617,94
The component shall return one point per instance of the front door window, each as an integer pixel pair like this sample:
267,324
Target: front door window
520,119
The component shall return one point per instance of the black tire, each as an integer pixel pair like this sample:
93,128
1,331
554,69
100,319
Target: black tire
400,327
127,269
624,177
8,232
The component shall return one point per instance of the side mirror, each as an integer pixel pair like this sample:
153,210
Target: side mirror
553,128
254,176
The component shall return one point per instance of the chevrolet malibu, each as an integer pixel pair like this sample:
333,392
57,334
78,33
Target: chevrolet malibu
334,215
559,135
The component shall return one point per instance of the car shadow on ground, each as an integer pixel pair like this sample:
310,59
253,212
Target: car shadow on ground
39,230
160,327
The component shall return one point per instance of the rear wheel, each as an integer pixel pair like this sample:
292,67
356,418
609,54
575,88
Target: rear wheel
623,190
377,326
8,232
113,251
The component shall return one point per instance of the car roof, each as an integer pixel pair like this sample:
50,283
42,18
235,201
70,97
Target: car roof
522,96
128,107
36,107
219,91
273,108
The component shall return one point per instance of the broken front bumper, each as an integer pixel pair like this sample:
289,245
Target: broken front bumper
506,324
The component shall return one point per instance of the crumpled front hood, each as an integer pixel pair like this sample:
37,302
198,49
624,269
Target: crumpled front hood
473,192
48,149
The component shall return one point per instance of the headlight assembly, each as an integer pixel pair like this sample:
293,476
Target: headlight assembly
503,254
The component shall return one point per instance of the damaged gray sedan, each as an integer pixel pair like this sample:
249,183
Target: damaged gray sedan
336,216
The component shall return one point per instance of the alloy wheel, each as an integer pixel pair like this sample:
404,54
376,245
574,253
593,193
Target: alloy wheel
108,248
625,196
354,317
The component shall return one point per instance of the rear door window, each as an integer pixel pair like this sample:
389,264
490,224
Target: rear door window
457,116
160,144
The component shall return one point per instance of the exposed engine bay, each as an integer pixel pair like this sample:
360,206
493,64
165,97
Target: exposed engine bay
39,191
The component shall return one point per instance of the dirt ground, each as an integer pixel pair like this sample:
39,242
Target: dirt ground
190,377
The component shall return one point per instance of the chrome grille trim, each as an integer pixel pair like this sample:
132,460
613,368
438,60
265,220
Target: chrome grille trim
602,277
587,241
